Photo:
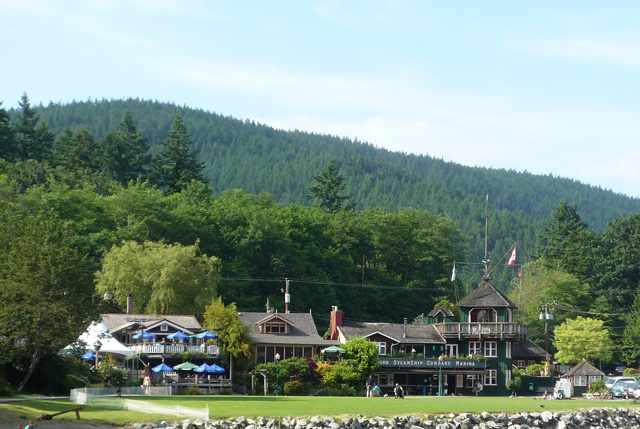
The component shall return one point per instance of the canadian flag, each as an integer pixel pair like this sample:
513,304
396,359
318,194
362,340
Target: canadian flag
512,259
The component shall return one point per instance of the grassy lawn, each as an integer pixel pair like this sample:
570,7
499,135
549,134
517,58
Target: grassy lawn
221,407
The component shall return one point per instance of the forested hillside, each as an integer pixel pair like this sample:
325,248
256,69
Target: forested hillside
257,158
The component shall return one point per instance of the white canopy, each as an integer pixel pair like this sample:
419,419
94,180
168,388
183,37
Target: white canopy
97,332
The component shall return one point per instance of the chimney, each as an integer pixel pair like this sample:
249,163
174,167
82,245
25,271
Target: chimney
336,321
130,303
405,328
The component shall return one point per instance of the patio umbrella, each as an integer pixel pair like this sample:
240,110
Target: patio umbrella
204,368
178,336
206,335
163,367
146,335
91,355
333,349
185,366
218,369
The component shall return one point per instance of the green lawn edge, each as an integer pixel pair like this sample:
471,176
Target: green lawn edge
225,407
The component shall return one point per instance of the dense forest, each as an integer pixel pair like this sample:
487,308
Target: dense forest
257,158
171,202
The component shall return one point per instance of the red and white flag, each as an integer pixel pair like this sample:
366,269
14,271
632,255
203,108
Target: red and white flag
512,259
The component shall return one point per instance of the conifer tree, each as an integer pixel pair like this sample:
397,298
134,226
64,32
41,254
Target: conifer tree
8,144
327,189
76,150
124,152
176,166
34,137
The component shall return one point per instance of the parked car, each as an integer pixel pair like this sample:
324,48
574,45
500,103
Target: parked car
625,389
612,381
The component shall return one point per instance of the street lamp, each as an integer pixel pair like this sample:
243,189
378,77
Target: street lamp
440,376
277,374
98,345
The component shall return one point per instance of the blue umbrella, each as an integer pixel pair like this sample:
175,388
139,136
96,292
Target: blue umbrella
206,335
163,367
218,369
90,356
177,336
204,368
146,336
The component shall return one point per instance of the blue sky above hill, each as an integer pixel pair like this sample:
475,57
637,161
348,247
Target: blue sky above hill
544,87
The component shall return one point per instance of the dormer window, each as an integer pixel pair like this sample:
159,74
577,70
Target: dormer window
275,328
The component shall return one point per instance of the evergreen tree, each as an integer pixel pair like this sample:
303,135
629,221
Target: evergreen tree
327,189
176,166
76,150
34,137
8,143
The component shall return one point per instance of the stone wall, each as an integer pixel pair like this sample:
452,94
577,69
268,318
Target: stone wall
592,418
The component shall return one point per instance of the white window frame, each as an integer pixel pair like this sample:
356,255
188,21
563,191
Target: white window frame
471,381
475,348
164,327
521,364
507,377
451,349
580,380
490,349
593,378
382,348
508,350
491,377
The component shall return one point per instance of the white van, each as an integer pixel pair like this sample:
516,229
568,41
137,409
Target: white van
613,381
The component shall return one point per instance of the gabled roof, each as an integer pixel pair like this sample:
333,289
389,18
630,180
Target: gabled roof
486,296
272,316
583,368
526,348
115,322
416,333
303,329
441,309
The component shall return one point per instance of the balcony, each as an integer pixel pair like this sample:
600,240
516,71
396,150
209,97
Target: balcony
482,330
169,349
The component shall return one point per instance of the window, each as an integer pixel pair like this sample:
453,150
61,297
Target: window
491,378
275,328
491,349
580,380
382,348
532,362
164,328
593,378
471,380
475,348
508,350
521,364
452,349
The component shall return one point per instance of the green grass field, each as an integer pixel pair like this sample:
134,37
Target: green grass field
222,407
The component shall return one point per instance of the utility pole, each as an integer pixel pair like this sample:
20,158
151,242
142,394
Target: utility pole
546,316
287,297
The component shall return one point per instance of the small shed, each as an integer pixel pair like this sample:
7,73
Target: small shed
582,375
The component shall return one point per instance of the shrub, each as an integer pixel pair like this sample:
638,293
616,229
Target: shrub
192,390
597,387
535,369
295,388
514,384
74,382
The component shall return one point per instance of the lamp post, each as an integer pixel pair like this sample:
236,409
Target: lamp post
277,374
440,376
98,344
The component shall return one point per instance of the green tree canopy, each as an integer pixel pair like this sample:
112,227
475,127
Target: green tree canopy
582,338
362,355
164,278
34,137
45,290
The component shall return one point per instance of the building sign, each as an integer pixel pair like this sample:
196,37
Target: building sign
432,363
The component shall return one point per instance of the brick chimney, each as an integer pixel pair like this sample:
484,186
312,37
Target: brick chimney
130,303
336,320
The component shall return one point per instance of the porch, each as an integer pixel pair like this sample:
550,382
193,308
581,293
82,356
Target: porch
482,330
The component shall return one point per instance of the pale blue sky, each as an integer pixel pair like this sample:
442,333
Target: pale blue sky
545,87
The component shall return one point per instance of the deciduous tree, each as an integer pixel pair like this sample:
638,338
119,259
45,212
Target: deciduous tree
582,338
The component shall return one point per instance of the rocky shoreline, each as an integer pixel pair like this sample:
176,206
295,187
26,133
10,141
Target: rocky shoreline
592,418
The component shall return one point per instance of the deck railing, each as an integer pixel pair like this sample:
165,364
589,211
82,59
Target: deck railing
483,329
167,349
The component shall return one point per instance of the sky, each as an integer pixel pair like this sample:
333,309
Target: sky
543,87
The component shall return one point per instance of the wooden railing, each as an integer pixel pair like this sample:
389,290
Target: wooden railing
480,330
167,349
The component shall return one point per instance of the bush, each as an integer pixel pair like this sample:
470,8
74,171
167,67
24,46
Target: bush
535,370
74,382
295,388
190,391
514,384
597,387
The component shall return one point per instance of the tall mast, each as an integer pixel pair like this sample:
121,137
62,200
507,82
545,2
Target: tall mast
485,261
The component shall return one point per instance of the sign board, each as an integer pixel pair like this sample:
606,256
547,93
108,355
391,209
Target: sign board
432,363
